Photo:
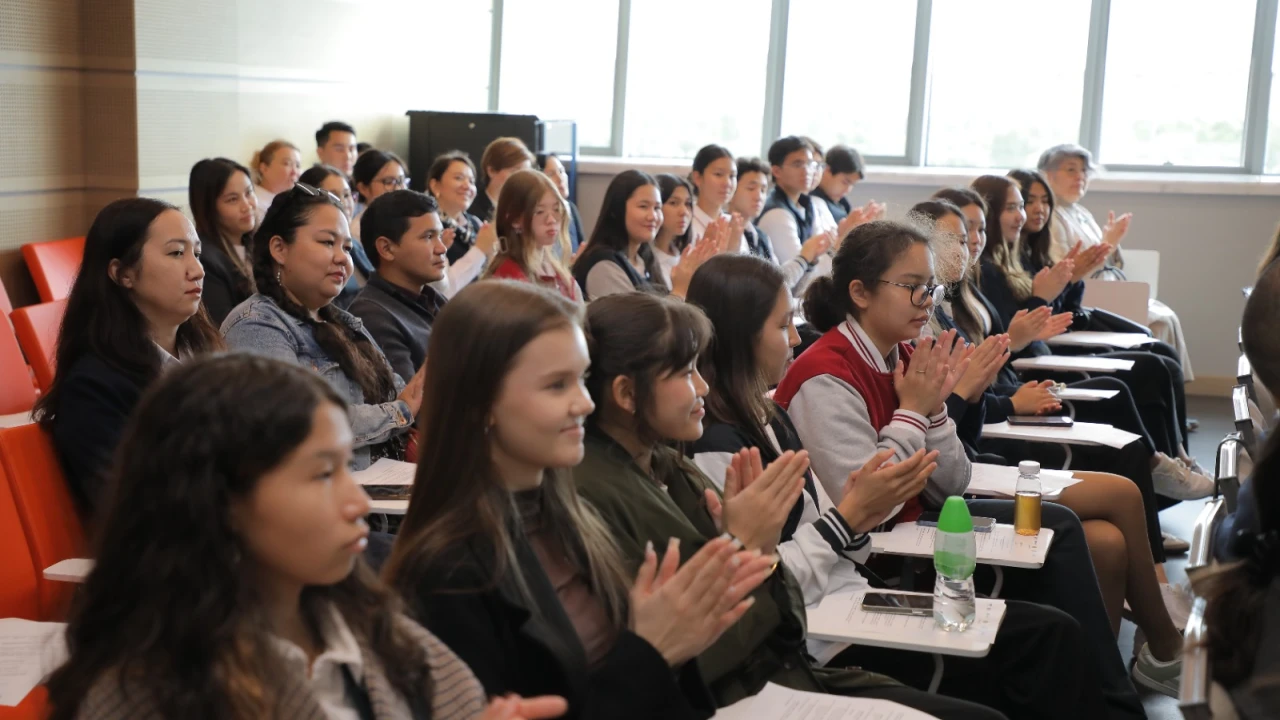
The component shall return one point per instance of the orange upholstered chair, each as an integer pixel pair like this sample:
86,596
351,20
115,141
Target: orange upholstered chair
17,393
37,328
54,265
47,513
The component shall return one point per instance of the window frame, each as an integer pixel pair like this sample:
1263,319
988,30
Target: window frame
1256,111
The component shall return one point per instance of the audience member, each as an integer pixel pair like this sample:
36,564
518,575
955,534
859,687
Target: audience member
376,172
857,391
336,146
233,481
277,167
750,308
499,557
300,264
619,255
452,180
714,178
647,394
402,237
133,311
501,157
551,165
531,222
1069,169
749,202
844,169
332,181
677,218
224,208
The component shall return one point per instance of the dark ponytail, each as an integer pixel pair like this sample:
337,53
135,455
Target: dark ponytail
865,254
356,355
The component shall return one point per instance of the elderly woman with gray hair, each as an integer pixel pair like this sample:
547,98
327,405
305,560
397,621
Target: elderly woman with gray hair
1068,169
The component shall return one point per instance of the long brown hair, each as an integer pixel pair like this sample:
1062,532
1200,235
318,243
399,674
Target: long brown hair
1035,245
502,153
1007,256
358,357
170,607
516,204
963,312
458,496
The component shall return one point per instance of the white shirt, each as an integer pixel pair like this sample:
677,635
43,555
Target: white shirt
666,261
264,202
781,228
324,676
166,360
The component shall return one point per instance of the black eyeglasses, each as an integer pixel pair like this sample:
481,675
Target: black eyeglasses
921,293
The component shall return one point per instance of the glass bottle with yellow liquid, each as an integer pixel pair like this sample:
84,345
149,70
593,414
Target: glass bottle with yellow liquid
1026,500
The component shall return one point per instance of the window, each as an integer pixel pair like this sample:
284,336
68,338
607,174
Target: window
558,63
454,75
831,92
1006,80
1176,84
1272,162
695,75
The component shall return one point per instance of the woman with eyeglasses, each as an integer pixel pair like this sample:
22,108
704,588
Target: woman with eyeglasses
301,262
332,181
376,172
862,389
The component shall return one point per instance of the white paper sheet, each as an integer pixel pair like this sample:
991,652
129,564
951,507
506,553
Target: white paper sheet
16,419
1085,394
1001,481
29,651
1081,433
1073,363
70,570
775,702
1001,546
840,617
389,507
387,472
1089,338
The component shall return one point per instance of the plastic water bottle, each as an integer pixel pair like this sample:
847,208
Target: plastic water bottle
955,555
1026,499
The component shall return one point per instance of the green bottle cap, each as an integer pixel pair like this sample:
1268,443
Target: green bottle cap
955,517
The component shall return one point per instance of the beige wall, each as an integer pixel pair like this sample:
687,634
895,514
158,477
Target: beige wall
105,98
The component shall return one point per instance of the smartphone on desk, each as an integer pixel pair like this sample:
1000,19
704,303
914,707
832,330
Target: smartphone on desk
980,524
1056,421
898,604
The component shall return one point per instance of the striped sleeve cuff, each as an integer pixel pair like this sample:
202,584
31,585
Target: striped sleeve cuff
937,421
836,531
910,419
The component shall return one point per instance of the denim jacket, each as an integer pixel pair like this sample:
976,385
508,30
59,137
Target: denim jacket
260,326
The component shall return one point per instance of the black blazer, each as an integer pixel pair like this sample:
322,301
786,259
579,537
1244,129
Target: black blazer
513,647
95,401
482,207
222,291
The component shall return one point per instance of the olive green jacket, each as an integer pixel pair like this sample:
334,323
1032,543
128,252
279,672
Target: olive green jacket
767,644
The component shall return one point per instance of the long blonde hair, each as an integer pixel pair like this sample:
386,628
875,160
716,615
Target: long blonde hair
266,155
1007,256
514,216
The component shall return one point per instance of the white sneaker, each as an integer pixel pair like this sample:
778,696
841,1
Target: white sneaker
1176,480
1191,462
1163,677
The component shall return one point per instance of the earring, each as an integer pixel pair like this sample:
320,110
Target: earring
278,276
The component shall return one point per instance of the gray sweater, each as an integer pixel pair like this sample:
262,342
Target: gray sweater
835,427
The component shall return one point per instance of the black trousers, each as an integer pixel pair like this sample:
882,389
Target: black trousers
1067,581
1040,666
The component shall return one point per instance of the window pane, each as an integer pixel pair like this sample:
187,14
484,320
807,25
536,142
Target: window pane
464,87
823,99
545,42
695,75
1273,115
991,102
1176,83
